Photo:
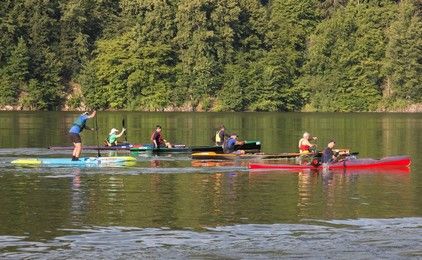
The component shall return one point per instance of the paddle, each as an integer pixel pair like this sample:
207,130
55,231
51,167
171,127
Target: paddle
96,131
123,126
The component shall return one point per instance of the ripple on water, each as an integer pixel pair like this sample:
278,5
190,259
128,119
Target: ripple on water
342,239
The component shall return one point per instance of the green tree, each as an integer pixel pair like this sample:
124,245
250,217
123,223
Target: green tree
205,39
129,74
344,68
403,62
290,23
14,75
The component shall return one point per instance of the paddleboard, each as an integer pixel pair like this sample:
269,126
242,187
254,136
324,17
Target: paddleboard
84,161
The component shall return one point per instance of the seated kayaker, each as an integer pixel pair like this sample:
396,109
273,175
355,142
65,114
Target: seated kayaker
305,145
230,143
328,153
220,136
113,136
157,139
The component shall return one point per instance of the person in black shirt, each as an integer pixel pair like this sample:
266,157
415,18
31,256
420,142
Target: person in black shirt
158,140
328,154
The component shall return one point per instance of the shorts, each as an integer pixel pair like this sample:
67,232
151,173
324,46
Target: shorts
75,138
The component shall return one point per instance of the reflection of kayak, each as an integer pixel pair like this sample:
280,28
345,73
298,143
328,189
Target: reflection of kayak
84,161
248,146
388,162
375,170
231,156
198,163
126,146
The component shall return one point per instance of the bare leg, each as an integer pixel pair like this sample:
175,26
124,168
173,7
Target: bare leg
78,149
75,149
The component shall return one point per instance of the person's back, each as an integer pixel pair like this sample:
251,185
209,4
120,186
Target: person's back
220,136
112,137
79,124
328,154
229,145
156,136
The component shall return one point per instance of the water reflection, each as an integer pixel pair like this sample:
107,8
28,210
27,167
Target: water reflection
162,196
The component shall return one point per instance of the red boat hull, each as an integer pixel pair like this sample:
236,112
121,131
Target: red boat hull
388,162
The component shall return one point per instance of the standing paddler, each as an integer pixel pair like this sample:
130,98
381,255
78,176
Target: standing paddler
77,127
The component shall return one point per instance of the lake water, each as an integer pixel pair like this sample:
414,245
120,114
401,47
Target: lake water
171,207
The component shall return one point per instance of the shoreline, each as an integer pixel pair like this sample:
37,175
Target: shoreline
411,111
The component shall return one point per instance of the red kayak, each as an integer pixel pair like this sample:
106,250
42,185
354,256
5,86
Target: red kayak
387,162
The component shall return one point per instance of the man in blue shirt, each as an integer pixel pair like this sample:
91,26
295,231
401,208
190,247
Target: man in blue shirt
229,145
77,127
328,154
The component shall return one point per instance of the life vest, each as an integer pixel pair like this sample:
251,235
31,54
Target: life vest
304,148
79,122
217,137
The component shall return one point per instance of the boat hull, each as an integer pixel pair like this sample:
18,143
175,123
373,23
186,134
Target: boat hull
388,162
248,146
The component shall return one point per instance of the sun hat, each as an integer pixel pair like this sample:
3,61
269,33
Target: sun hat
113,131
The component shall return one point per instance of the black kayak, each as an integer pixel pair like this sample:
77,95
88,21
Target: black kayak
249,146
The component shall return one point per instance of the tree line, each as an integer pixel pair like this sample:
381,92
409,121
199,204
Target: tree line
218,55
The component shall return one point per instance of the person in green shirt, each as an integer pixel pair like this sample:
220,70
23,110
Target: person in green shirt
113,136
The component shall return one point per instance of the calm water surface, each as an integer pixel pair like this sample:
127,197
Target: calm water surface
172,207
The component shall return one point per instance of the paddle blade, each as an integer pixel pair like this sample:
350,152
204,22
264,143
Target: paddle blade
124,126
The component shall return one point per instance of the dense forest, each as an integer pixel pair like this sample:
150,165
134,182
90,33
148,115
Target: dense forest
211,55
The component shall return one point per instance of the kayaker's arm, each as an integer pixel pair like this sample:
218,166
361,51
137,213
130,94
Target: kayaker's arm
92,114
121,133
240,142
